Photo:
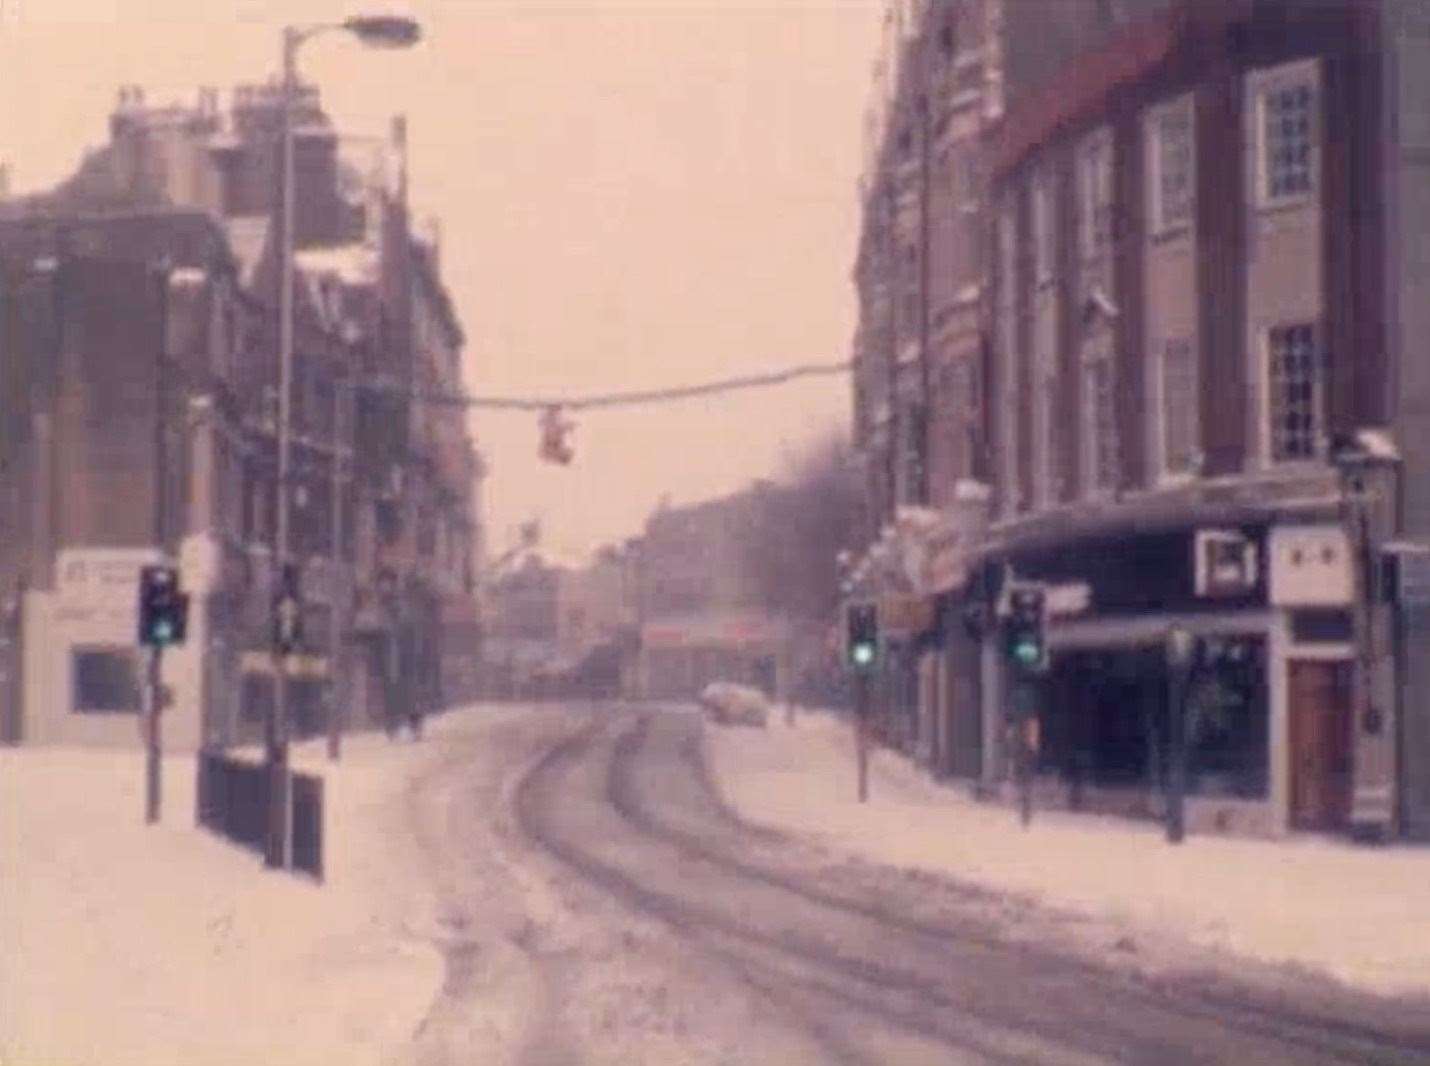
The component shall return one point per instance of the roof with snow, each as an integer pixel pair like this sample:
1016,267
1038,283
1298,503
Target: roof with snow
248,237
353,264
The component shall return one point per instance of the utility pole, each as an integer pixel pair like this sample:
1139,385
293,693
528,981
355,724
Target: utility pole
153,738
926,127
277,846
1181,649
340,595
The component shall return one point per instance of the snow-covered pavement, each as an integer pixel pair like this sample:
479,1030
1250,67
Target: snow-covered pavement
1356,914
121,943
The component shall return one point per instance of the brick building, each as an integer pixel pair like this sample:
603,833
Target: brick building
152,272
1201,401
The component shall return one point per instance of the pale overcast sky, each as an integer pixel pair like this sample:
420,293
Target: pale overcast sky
632,194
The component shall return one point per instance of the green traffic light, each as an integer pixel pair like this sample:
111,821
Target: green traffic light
1027,653
863,654
163,632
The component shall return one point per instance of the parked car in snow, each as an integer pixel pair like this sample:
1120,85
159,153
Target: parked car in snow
727,703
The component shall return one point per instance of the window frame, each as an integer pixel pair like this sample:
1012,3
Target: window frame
1184,108
1043,215
1164,405
125,652
1099,360
1009,402
1319,426
1095,145
1302,73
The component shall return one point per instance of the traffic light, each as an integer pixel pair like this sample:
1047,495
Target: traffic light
555,448
288,611
863,643
1026,632
163,609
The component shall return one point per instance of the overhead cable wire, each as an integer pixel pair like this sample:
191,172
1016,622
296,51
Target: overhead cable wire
614,399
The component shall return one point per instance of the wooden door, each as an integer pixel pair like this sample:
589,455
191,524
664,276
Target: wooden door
1320,716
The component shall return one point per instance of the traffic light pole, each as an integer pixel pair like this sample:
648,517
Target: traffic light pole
1182,655
1177,768
276,850
152,737
861,731
338,595
152,765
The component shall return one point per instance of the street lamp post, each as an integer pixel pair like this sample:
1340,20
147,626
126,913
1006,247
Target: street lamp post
388,32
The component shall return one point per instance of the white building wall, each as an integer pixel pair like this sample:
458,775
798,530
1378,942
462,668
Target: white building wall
95,604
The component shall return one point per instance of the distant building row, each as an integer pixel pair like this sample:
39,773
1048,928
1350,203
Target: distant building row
712,591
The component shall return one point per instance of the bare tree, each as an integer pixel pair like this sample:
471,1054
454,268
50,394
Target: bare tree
800,525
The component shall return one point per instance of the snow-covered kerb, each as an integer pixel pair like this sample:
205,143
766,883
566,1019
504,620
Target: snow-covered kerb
1357,914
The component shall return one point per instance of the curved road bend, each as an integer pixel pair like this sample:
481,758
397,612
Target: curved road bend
688,936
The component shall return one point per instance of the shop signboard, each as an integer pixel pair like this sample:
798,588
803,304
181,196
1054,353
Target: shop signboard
1310,566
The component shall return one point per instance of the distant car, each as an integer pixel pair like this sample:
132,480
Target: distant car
727,703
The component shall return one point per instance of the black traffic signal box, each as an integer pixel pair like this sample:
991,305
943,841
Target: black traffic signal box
1026,641
288,611
863,636
163,607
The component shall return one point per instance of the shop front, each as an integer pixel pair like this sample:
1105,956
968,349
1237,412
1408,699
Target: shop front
1268,712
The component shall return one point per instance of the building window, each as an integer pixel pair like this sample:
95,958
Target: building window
1287,140
1181,406
1045,398
1044,230
1100,457
966,180
1173,166
105,681
1009,393
1094,169
1294,393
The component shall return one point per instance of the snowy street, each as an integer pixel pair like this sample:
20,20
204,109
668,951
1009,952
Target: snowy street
567,885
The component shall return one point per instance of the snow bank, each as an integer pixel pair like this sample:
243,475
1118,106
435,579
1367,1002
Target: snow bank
1357,914
124,943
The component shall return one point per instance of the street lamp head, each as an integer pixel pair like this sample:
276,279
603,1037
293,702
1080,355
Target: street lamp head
384,31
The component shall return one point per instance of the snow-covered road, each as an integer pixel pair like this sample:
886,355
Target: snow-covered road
567,885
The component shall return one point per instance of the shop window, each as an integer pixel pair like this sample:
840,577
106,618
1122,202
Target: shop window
1108,717
105,681
1227,726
